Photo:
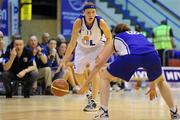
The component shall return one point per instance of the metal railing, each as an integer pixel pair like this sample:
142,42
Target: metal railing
167,9
128,2
140,10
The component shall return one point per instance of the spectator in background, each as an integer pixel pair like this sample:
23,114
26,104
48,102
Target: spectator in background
68,70
1,58
44,72
10,46
45,39
1,51
18,66
60,38
53,58
163,39
138,29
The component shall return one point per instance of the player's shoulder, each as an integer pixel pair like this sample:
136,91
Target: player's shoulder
98,17
78,21
101,22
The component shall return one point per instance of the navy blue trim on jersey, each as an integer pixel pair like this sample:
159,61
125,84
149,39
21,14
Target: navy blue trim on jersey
98,18
98,22
83,17
89,27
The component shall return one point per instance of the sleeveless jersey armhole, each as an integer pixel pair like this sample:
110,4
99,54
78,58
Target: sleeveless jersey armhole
114,45
98,22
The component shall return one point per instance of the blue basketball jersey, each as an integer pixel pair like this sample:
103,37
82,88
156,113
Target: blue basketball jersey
134,51
132,42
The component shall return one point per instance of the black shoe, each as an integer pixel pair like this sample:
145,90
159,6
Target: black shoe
8,95
102,115
91,106
26,95
48,91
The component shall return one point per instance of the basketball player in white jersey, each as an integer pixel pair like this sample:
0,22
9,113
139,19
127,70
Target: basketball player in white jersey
87,33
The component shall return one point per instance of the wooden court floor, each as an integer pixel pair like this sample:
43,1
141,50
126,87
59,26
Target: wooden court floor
133,105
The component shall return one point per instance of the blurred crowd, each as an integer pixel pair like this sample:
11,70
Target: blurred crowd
34,66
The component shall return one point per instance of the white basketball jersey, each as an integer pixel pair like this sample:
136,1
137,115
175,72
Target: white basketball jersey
90,37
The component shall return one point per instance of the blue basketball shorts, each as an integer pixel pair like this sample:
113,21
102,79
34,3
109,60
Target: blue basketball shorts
125,66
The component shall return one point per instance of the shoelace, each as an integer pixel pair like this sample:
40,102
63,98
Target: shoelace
174,113
104,112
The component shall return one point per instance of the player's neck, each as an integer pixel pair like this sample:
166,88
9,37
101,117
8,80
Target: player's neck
89,24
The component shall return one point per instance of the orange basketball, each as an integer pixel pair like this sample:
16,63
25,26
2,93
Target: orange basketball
59,87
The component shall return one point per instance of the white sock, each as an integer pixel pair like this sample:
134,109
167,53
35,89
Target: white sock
173,109
104,107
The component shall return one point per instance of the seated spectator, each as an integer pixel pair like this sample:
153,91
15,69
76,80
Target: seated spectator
1,51
68,69
1,61
18,66
53,59
45,39
60,38
10,46
44,72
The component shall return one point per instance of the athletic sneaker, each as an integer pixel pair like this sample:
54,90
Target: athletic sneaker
102,114
89,96
116,87
174,115
91,106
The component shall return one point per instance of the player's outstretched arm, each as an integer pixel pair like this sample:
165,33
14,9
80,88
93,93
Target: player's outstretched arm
100,61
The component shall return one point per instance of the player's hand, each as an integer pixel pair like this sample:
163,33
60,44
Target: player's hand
21,74
82,90
98,58
13,53
39,50
152,92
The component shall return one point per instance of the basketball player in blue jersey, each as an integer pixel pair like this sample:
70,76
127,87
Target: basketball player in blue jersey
87,32
134,51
